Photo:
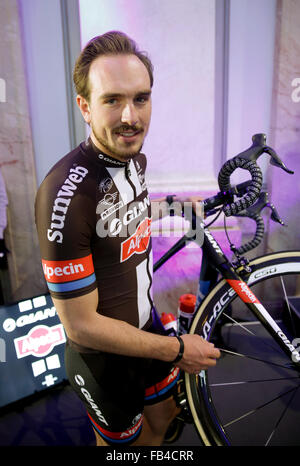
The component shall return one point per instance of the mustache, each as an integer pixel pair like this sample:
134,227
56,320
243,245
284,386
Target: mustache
124,128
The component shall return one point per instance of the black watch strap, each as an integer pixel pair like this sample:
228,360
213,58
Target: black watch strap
181,350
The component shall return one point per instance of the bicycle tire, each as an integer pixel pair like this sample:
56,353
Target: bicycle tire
240,410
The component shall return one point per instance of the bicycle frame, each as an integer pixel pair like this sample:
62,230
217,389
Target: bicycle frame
214,262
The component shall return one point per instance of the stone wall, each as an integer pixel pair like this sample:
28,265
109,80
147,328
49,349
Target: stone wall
24,277
285,133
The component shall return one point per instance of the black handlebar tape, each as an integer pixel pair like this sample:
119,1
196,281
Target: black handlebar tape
258,236
253,190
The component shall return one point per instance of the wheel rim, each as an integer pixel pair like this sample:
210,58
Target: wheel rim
252,397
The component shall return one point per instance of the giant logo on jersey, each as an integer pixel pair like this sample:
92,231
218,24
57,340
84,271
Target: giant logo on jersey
138,242
127,223
136,210
69,275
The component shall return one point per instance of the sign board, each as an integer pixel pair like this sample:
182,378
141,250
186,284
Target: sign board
31,348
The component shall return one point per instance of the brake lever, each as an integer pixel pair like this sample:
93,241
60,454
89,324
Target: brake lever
259,205
275,216
254,151
258,148
276,161
263,201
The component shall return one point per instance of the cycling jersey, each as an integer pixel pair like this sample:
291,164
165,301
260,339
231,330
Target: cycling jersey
93,217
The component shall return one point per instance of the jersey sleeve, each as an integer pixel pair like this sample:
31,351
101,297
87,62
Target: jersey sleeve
64,215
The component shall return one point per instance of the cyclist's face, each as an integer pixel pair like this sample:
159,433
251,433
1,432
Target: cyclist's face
119,108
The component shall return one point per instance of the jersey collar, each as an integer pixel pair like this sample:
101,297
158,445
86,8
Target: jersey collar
91,150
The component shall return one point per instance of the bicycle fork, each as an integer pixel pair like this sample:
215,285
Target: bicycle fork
249,298
213,254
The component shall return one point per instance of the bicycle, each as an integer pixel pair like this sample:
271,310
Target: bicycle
252,396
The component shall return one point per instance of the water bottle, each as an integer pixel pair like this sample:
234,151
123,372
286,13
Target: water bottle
170,323
186,309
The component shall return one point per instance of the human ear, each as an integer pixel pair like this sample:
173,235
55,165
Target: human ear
84,108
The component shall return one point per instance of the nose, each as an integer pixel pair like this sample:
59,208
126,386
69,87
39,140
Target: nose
129,114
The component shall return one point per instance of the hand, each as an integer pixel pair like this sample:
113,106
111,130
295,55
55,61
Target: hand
198,354
195,201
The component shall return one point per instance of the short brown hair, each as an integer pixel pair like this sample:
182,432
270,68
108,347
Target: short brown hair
110,43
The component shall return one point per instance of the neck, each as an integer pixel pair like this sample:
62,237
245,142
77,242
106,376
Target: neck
105,151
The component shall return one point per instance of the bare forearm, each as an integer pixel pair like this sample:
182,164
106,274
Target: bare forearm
119,337
86,327
102,333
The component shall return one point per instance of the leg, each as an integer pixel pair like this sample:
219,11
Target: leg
159,411
157,419
146,387
99,440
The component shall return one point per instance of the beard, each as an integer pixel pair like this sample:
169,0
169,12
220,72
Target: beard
122,155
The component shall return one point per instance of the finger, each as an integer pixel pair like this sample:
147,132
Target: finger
211,362
204,367
216,353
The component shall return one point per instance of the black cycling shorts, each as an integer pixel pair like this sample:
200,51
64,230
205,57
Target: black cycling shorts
115,389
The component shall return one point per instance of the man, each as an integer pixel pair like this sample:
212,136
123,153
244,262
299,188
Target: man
93,218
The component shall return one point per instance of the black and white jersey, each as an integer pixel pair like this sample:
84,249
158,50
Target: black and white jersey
93,217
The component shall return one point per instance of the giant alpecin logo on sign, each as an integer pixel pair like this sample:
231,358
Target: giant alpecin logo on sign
40,341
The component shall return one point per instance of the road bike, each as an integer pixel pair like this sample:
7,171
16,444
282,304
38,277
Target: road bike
248,309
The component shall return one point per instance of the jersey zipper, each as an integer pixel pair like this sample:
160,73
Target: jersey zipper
127,176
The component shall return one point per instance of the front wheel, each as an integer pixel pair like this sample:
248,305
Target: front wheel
252,396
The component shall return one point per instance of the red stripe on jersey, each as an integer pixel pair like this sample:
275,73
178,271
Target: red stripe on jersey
131,431
163,384
70,270
243,291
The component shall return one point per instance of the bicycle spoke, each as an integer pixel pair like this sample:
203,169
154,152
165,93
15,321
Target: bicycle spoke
266,343
288,305
259,407
281,417
238,323
256,359
225,384
228,407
